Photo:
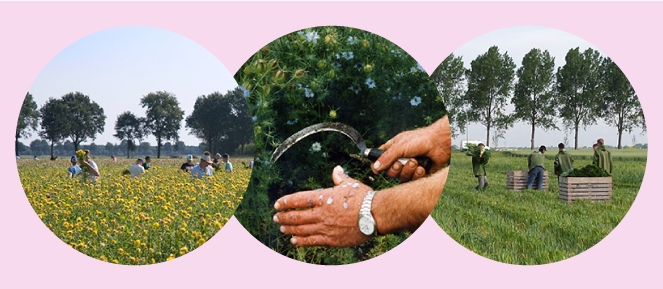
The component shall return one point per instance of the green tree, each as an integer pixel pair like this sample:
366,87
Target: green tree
163,117
85,118
28,119
533,94
54,121
620,107
577,89
490,82
209,118
129,127
240,131
449,77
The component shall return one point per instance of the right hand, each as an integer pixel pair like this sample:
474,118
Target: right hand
433,142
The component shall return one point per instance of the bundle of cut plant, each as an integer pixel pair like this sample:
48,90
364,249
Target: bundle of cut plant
474,150
587,171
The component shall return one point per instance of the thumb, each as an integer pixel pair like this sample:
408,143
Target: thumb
340,177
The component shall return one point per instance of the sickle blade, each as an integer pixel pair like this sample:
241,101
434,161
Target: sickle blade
327,126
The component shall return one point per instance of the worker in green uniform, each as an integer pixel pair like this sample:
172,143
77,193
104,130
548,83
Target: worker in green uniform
563,160
536,164
479,160
602,157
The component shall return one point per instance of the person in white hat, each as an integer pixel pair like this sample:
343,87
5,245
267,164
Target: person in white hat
188,165
204,168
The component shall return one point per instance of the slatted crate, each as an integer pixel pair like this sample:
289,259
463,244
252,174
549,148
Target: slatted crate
517,180
576,188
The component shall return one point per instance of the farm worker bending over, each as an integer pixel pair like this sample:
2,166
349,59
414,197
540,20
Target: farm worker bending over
137,168
563,160
351,213
229,166
535,163
204,168
74,169
479,161
602,157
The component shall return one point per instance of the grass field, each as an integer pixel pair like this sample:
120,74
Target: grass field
161,216
625,155
529,227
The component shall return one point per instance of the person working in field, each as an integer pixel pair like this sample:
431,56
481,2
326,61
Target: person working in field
602,157
146,164
563,160
188,165
92,166
479,161
351,213
228,166
204,168
74,169
137,169
536,164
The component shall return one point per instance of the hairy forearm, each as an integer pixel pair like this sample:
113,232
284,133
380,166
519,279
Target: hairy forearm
406,206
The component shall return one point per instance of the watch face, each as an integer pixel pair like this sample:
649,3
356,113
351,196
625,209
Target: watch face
365,225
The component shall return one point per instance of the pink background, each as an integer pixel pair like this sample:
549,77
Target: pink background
31,34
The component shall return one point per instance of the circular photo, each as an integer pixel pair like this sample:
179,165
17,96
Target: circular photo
352,145
134,145
549,145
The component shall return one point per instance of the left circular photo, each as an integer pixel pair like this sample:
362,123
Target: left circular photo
134,145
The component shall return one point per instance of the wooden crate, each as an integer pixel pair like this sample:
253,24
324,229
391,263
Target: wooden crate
594,189
517,180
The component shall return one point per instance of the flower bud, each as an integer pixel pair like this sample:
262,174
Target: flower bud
332,114
265,50
259,66
331,74
299,73
322,64
368,68
279,75
247,70
258,129
266,89
329,38
314,84
272,63
365,43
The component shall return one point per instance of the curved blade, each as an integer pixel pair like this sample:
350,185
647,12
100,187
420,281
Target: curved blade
326,126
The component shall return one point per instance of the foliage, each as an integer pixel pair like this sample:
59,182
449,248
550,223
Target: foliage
163,116
474,150
587,171
129,127
54,125
578,88
327,74
490,82
533,96
85,118
529,227
620,107
450,80
119,219
28,119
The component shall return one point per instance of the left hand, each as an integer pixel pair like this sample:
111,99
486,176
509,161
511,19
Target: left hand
324,223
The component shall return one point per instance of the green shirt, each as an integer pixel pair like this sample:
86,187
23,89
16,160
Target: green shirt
535,159
563,162
603,159
478,164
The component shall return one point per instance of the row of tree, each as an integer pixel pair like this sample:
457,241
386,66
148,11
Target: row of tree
42,147
220,120
587,88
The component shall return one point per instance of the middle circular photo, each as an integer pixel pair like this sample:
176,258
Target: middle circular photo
352,145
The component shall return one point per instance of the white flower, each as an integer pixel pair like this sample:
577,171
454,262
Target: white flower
420,67
308,92
324,155
254,118
246,93
415,101
312,36
353,40
370,82
316,147
412,69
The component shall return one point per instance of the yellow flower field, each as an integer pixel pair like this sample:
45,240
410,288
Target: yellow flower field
156,218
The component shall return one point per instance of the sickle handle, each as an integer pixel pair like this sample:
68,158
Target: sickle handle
374,154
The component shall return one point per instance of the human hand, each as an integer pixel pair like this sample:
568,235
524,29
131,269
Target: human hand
331,217
433,142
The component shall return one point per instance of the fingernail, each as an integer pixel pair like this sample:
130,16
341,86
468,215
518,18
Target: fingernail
277,205
397,166
412,165
420,171
276,218
293,240
282,229
376,165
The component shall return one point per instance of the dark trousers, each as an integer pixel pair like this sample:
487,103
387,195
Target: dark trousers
536,173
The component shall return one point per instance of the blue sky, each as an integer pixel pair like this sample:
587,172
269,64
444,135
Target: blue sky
118,66
517,41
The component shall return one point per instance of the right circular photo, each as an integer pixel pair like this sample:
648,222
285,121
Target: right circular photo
549,145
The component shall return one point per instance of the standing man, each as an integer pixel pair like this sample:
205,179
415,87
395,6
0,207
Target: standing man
229,166
563,160
602,157
137,168
479,161
204,168
188,165
536,163
74,169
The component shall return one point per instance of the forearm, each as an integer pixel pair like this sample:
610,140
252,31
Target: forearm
406,206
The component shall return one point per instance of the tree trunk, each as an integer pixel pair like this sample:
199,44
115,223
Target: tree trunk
532,140
488,134
52,147
619,142
158,148
576,145
128,148
242,149
16,147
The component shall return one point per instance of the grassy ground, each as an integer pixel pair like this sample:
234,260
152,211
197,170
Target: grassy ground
626,155
529,227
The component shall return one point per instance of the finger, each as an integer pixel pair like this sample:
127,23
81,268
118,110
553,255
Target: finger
308,241
420,172
387,159
408,170
298,200
395,170
387,145
340,177
298,217
302,230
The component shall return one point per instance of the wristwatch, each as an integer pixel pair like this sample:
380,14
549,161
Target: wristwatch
366,222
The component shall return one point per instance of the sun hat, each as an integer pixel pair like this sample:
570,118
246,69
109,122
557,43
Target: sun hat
189,157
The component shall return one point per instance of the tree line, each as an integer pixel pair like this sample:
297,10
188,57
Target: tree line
220,120
587,88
